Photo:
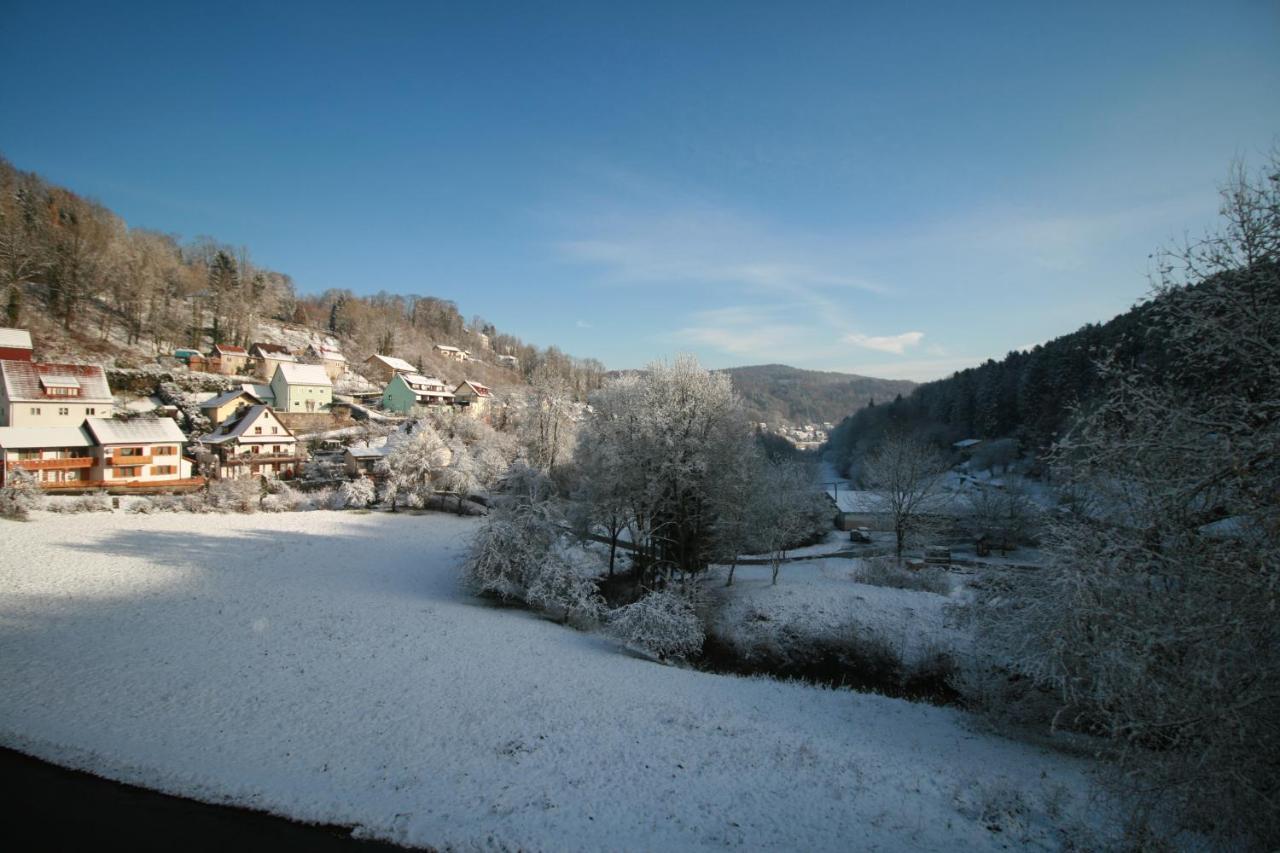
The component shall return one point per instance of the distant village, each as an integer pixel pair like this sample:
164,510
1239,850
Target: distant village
803,437
62,424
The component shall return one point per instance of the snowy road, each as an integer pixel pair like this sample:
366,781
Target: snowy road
326,667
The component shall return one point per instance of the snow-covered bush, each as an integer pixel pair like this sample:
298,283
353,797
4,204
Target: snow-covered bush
508,552
411,467
93,502
886,571
20,495
229,496
559,586
663,623
358,494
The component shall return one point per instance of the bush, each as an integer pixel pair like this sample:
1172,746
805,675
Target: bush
94,502
20,495
509,550
663,623
229,496
358,494
558,587
886,572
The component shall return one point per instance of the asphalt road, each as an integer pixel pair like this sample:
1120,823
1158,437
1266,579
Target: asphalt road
50,808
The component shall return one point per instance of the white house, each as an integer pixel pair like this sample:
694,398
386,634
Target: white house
383,367
52,395
253,444
138,451
450,352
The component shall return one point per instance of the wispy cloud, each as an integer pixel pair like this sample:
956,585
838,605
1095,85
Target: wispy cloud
583,324
896,344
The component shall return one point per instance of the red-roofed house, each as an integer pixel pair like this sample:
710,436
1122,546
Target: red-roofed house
232,360
473,398
33,394
15,345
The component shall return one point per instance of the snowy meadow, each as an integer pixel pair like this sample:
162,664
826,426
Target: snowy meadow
330,667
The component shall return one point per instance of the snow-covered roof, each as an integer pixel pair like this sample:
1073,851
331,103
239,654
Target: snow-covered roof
429,384
304,374
397,364
476,387
328,353
227,396
262,392
447,348
368,452
228,349
965,443
15,338
136,431
25,438
271,350
30,381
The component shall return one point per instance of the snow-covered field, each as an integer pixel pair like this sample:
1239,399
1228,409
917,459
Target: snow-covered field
327,667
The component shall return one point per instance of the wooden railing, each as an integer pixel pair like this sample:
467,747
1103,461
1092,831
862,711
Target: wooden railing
262,458
124,461
184,484
52,464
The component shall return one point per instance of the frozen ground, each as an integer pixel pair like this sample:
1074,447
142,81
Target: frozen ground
326,667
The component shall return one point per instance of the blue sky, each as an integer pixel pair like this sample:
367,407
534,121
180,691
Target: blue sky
892,191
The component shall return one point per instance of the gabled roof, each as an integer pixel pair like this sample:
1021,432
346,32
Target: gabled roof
15,338
228,349
397,364
328,353
273,350
414,380
29,381
136,431
447,348
368,452
237,427
29,438
262,392
303,374
227,396
476,387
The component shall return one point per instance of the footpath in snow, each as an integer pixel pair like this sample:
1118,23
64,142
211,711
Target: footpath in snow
327,667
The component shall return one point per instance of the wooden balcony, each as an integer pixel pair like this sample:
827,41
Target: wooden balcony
51,464
262,459
124,461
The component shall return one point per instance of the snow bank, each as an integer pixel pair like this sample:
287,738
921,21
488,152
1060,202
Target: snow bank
327,666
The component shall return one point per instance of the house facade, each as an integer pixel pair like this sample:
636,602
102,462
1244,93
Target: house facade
382,368
102,453
408,391
231,360
222,407
450,352
267,357
333,362
34,394
254,444
301,388
15,345
474,398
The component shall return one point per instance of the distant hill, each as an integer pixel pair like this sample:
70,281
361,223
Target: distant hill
777,393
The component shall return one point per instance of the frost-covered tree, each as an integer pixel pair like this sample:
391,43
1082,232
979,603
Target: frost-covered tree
460,477
357,493
1005,516
547,427
907,475
671,434
559,587
20,495
788,510
663,623
1155,623
410,468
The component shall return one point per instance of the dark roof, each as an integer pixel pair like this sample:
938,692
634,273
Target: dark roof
270,349
228,349
28,380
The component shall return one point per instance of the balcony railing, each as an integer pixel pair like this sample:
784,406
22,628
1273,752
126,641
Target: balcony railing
51,464
262,459
124,461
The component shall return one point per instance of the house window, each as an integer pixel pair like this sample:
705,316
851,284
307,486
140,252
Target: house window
90,411
275,430
63,410
130,451
166,451
35,410
129,471
257,430
162,469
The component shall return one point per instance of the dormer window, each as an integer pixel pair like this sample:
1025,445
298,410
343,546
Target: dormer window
55,385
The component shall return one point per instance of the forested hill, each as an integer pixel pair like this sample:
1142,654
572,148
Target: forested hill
776,393
1028,395
90,287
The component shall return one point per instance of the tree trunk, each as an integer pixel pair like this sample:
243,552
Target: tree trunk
732,566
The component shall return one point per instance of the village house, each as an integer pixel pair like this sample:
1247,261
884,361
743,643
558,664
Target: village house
224,406
509,361
333,362
450,352
381,368
267,357
138,451
358,460
231,360
102,453
33,394
53,455
473,398
254,444
15,345
301,388
408,391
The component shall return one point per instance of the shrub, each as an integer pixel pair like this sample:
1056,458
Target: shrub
663,622
358,493
886,572
561,590
231,496
20,495
94,502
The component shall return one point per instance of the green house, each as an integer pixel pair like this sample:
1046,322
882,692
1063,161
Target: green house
407,391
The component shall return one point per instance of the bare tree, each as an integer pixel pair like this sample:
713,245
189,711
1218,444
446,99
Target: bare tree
907,475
